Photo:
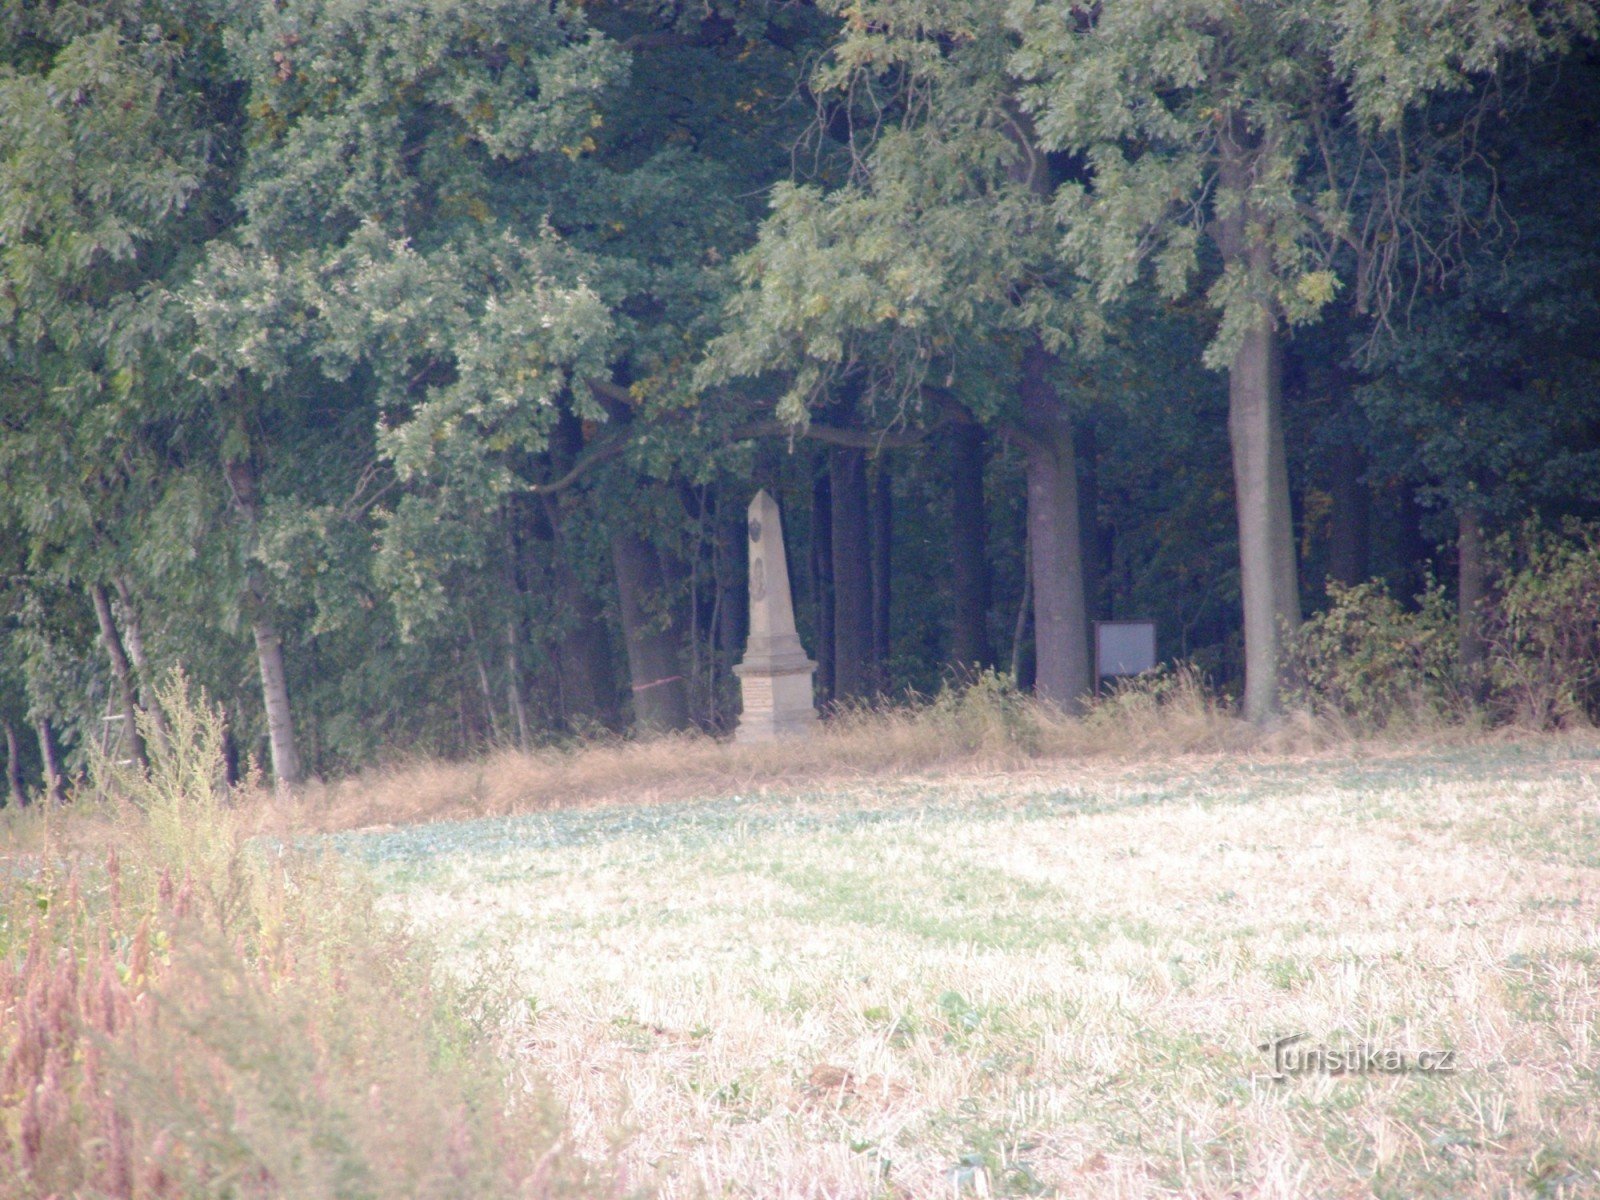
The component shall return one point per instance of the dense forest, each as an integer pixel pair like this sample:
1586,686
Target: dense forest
403,368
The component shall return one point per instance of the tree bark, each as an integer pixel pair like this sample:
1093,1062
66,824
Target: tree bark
970,647
1268,578
516,634
1267,575
55,777
880,515
134,639
1349,541
14,784
123,670
1094,540
660,694
286,767
1060,621
822,581
852,577
1473,569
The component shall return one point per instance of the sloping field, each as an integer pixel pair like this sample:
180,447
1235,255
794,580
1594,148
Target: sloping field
1057,981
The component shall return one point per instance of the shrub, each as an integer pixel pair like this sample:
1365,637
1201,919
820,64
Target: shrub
1544,628
987,712
1367,659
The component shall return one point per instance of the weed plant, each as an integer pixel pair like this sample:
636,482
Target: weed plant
188,1012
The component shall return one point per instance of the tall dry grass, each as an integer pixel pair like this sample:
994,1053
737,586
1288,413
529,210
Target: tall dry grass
987,726
190,1013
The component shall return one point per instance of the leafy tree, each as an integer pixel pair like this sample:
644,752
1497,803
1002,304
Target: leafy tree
1265,130
929,271
105,156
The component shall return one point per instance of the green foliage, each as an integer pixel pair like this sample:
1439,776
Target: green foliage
1544,629
1313,99
989,712
1367,658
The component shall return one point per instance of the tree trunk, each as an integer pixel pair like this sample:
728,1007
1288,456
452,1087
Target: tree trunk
1267,576
1268,579
123,670
969,552
55,778
822,581
516,631
1060,622
472,732
1094,541
1022,663
1473,590
852,576
880,515
286,768
1349,541
583,649
231,773
733,584
134,639
14,784
660,695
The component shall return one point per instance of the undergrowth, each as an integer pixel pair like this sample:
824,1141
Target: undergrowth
188,1012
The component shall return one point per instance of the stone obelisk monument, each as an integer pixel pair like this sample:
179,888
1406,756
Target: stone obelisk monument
775,676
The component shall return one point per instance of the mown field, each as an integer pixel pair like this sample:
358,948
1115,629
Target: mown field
1052,979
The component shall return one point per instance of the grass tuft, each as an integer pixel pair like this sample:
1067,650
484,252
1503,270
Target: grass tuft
190,1013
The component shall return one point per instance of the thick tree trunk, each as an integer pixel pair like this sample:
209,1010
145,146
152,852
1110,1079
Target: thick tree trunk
1473,566
1349,541
880,514
822,581
123,670
1060,621
286,767
14,784
55,776
660,694
853,676
1268,578
969,553
1267,574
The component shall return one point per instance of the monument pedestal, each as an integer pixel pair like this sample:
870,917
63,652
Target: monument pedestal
775,676
777,701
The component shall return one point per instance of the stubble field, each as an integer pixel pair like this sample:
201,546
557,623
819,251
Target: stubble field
1053,979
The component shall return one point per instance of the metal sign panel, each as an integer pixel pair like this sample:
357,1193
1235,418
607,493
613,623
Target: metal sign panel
1124,648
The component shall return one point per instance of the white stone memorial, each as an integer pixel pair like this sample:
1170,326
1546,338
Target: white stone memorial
775,676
